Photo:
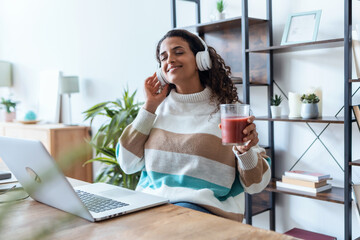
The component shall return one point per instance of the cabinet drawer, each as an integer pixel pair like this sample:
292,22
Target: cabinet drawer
33,134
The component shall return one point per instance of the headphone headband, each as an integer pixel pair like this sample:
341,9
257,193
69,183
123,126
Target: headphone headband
203,62
203,43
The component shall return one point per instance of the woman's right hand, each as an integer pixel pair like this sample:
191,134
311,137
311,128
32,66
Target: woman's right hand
153,96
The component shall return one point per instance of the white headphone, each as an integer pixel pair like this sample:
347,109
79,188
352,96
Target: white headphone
203,62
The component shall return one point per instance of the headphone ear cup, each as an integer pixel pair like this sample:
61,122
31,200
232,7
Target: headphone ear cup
161,77
207,60
199,61
203,60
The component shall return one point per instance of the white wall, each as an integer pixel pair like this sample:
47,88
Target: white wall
110,47
107,46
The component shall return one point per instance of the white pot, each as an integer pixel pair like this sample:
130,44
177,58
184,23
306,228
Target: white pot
275,111
10,117
309,110
220,15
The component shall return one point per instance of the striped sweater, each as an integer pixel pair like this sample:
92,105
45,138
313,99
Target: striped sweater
180,154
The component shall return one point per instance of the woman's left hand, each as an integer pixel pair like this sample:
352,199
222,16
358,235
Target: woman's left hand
251,135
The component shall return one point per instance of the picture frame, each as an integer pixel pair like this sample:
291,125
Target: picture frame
49,98
301,27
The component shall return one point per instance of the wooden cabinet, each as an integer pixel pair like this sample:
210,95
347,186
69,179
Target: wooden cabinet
61,141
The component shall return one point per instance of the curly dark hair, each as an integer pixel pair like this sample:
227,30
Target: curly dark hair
217,78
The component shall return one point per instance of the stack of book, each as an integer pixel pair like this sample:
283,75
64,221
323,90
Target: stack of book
8,181
304,181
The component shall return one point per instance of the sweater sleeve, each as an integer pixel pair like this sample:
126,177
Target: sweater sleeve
254,169
131,145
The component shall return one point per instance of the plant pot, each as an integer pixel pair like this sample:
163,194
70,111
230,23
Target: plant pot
275,111
220,15
309,110
9,117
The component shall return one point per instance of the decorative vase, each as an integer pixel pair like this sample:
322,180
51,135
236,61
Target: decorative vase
275,111
9,117
220,15
309,110
294,105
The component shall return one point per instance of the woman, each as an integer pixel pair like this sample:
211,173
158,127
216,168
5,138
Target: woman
175,139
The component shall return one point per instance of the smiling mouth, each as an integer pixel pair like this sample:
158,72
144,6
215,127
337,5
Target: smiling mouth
173,69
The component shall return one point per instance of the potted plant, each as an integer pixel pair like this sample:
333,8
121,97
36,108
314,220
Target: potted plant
275,106
10,109
220,6
309,106
119,114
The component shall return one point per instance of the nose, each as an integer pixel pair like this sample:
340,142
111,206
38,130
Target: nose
171,58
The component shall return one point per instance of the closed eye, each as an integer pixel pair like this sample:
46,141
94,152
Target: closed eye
163,56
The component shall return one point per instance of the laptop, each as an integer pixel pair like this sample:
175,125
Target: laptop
42,179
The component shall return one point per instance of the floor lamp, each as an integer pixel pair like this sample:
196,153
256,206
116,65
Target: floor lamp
69,85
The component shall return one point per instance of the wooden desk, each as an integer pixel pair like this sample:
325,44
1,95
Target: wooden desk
28,217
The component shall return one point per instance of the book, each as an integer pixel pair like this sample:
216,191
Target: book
5,175
305,175
356,200
8,180
304,183
5,187
356,110
303,234
280,184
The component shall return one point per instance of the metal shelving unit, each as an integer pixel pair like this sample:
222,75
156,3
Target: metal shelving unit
336,195
265,201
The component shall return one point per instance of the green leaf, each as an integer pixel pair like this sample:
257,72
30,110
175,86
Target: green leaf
95,110
276,100
220,5
118,103
115,125
109,112
8,104
105,160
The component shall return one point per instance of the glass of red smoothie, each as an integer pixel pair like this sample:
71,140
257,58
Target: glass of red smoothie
233,121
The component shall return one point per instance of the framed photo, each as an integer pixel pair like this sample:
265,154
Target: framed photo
301,27
49,97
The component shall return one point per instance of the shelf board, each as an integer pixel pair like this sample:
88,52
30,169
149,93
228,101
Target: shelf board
355,163
354,80
265,146
221,25
335,194
337,42
238,80
338,120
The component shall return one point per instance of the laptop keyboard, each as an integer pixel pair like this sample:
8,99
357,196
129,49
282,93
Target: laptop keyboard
97,203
